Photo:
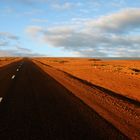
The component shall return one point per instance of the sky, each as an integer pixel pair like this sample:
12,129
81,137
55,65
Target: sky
70,28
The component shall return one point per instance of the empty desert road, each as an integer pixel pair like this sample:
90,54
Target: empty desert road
36,107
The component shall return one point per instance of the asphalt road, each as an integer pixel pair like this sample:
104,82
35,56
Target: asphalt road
33,106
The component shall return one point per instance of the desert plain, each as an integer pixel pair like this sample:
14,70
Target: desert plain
103,93
119,76
110,87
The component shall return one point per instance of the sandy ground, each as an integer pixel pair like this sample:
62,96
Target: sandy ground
115,75
122,112
119,76
7,60
37,107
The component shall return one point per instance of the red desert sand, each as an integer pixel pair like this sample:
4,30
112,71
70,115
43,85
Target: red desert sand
119,76
110,87
7,60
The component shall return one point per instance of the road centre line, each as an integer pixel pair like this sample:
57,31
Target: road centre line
13,77
1,99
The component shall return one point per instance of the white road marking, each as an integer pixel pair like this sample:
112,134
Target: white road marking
20,65
13,77
1,99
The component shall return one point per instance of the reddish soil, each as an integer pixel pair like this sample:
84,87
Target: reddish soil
120,76
111,88
108,88
7,60
37,107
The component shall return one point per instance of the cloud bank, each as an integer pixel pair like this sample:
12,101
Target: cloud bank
114,35
121,22
10,46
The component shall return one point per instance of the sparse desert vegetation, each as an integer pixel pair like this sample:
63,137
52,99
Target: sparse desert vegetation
120,76
110,87
7,60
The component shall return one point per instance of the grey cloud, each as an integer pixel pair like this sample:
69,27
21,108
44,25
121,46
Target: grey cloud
26,2
4,43
39,20
8,39
120,22
104,39
9,46
21,49
7,35
19,52
54,4
34,31
63,6
90,53
15,53
4,53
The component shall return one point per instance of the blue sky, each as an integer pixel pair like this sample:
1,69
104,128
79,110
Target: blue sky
75,28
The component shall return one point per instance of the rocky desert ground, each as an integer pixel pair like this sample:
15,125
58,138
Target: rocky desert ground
109,87
119,76
7,60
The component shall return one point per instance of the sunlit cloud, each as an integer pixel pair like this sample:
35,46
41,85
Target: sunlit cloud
17,53
82,28
39,20
10,46
63,6
105,36
122,21
7,35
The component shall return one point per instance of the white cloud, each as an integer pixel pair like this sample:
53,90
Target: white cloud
39,20
4,53
63,6
3,43
121,22
55,4
34,30
26,2
8,35
109,35
10,46
7,39
23,50
17,53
